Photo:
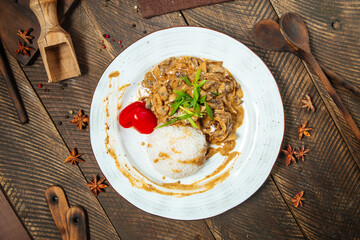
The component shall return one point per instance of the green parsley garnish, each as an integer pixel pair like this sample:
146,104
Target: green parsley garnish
191,106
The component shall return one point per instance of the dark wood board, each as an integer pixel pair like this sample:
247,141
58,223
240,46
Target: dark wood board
78,93
335,41
17,15
129,221
329,176
11,227
32,159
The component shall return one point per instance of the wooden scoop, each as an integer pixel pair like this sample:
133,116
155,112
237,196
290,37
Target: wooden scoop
55,43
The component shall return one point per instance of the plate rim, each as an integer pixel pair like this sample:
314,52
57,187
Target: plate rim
280,145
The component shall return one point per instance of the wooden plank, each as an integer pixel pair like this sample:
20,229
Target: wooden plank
332,31
11,227
25,20
31,160
263,216
129,221
329,176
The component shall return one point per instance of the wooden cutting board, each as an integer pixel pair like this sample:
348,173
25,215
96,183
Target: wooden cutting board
17,15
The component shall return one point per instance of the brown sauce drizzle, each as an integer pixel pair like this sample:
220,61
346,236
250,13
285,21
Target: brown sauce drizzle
195,187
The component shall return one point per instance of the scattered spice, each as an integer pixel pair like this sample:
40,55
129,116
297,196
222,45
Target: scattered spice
80,120
144,32
289,155
133,25
112,40
104,46
107,36
96,185
60,123
66,116
74,158
303,130
296,200
40,85
101,41
71,111
23,49
119,42
308,104
99,50
24,35
301,152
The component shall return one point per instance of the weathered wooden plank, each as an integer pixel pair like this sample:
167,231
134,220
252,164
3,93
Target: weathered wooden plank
31,160
11,227
129,221
263,216
335,42
329,176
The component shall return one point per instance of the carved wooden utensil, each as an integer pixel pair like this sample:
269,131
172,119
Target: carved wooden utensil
58,205
55,43
267,35
295,33
76,223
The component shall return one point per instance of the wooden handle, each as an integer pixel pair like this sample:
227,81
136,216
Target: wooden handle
309,58
11,86
56,199
46,13
336,79
76,223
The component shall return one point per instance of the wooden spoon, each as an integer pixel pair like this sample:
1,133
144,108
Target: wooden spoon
267,35
295,33
58,205
76,223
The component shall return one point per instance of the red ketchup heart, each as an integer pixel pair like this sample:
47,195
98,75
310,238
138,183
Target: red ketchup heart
137,116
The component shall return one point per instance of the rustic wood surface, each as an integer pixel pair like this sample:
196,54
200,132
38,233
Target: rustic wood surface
31,156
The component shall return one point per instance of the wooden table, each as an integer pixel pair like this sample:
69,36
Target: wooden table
32,155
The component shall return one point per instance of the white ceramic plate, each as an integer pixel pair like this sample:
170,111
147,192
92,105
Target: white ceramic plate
263,125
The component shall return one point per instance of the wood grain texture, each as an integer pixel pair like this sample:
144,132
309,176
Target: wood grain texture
129,221
58,205
16,15
32,158
11,227
335,42
329,176
76,223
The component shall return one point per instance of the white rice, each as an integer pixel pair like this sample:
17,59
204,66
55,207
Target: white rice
177,151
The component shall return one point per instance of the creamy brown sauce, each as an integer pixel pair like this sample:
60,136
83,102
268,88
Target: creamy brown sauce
114,74
139,180
223,95
164,155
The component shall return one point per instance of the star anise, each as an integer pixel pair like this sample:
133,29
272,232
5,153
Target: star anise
296,200
303,130
23,49
24,35
74,158
80,120
308,104
289,155
96,185
301,152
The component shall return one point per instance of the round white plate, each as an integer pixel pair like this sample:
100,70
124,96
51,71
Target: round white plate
259,138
